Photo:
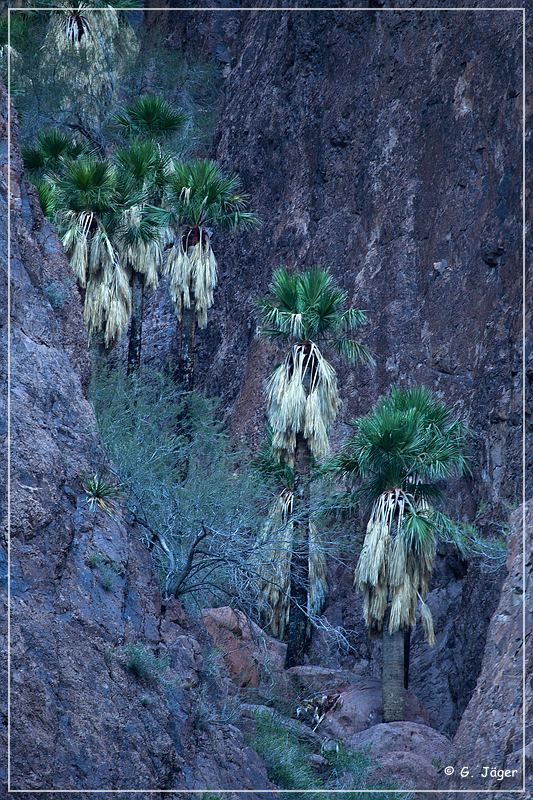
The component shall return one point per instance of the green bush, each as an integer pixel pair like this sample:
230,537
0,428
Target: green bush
142,662
289,765
105,568
196,500
56,292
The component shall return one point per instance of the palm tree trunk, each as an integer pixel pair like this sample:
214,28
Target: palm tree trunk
136,324
187,347
299,577
406,657
393,675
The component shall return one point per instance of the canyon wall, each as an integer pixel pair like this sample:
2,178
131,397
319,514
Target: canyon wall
386,146
83,586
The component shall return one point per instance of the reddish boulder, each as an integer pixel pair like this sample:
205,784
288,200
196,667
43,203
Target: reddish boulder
247,652
406,754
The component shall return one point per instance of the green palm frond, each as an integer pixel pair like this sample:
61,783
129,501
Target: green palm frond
87,185
308,311
47,198
140,160
202,195
309,305
151,116
353,350
51,150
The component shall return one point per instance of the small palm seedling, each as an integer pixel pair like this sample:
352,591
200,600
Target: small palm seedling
101,493
398,456
307,312
201,199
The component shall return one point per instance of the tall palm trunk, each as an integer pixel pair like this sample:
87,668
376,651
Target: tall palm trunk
136,324
187,347
393,674
406,657
299,575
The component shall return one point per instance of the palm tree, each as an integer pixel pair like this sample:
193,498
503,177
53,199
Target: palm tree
141,232
139,236
88,49
51,151
398,455
149,120
86,208
306,311
202,198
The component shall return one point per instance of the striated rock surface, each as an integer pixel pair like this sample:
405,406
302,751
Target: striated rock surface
490,733
83,586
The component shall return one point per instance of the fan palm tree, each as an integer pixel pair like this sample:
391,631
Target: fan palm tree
201,198
307,312
147,121
88,48
86,211
398,456
142,168
112,235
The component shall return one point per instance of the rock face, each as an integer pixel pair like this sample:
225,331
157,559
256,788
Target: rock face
490,733
82,585
388,147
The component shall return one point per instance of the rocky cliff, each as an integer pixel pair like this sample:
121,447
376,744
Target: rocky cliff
83,587
388,147
490,736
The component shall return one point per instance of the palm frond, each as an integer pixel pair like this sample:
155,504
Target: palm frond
151,116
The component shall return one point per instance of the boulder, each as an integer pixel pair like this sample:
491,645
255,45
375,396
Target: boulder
248,653
490,733
360,707
404,754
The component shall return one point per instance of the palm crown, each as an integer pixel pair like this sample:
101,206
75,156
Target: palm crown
50,152
398,455
151,116
200,196
307,310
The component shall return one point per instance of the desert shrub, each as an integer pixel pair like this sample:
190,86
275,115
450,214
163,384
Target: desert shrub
289,765
196,499
56,292
140,660
106,569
